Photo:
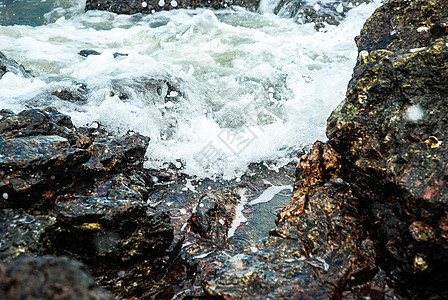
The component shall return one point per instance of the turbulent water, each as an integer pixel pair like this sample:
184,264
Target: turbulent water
215,90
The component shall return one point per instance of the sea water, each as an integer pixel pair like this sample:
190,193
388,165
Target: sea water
216,90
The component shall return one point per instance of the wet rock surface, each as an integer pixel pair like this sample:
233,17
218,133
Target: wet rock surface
82,193
42,155
147,7
321,13
214,214
369,211
48,278
10,65
391,129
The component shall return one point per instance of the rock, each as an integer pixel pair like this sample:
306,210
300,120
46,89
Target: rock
125,243
20,232
76,92
42,155
88,52
82,193
318,12
214,214
48,278
391,131
150,6
10,65
118,54
35,122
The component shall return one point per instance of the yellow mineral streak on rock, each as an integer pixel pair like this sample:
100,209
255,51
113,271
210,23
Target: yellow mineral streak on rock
91,226
420,263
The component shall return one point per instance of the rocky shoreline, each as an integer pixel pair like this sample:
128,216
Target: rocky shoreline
368,216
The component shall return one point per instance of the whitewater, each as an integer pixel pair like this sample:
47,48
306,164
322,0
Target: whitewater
215,90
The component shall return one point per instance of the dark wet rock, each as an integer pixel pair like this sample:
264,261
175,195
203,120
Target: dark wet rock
54,93
88,52
150,6
20,233
391,130
29,167
42,155
404,26
82,193
125,243
320,13
10,65
214,214
35,122
48,278
75,93
118,54
6,112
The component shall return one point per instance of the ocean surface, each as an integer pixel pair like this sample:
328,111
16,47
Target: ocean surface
216,90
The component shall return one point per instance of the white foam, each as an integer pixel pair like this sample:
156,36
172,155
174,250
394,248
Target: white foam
252,87
239,217
269,194
16,86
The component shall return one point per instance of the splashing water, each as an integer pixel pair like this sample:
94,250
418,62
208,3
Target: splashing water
215,90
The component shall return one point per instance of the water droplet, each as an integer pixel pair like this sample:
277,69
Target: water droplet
340,8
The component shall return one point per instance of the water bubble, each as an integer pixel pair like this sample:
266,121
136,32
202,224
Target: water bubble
161,2
144,4
5,196
173,94
340,8
169,104
173,3
423,29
